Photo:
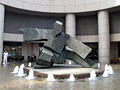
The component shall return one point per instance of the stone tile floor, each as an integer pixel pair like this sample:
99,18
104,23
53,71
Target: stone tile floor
9,81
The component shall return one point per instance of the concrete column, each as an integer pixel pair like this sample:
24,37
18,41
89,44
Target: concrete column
26,50
2,11
104,38
36,49
71,24
70,27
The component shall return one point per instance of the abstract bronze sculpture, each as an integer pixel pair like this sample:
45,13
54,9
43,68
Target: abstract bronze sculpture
54,49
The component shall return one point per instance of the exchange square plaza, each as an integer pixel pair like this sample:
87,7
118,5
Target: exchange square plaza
93,23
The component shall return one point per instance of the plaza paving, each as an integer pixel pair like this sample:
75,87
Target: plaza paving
9,81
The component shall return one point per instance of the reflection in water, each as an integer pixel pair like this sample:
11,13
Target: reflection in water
50,85
31,83
9,82
71,86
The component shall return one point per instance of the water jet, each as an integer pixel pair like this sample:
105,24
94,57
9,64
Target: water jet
31,75
92,75
16,69
21,71
105,73
71,78
50,77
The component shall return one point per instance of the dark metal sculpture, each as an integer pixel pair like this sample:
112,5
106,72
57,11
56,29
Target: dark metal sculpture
54,49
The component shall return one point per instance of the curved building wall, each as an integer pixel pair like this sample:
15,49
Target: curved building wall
86,25
15,21
61,6
115,22
90,28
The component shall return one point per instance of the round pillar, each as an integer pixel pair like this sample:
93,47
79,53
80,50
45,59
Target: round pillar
2,11
104,38
70,28
71,24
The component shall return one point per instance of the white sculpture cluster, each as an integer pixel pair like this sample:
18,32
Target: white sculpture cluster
108,71
20,71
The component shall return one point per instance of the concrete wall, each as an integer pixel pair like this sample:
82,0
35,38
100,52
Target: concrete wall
26,50
87,25
115,22
61,6
15,21
35,49
114,50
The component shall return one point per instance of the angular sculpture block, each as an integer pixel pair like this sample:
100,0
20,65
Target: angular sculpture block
54,50
31,34
80,48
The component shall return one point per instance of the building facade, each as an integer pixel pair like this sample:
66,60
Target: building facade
94,22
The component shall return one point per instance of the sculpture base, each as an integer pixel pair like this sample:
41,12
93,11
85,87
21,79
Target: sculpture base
63,71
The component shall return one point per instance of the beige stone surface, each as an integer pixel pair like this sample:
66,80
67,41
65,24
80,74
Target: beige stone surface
63,70
13,37
2,11
62,6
